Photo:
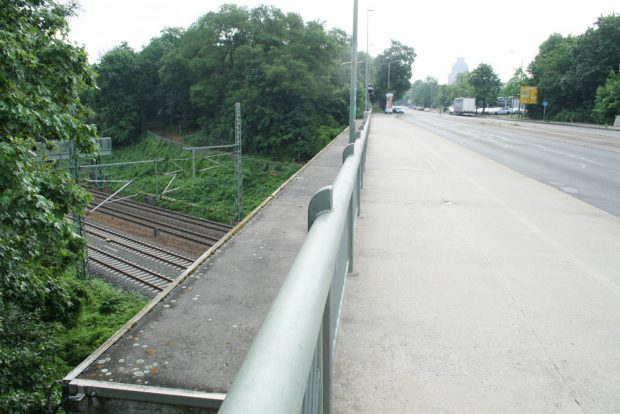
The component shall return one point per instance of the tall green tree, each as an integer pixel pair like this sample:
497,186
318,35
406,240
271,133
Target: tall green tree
512,87
549,69
461,87
425,93
119,113
607,105
486,85
597,52
286,73
41,78
395,61
148,62
569,70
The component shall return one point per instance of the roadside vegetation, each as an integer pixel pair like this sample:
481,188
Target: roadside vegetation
211,194
291,78
578,76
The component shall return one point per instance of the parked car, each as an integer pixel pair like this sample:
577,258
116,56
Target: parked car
504,111
427,109
397,110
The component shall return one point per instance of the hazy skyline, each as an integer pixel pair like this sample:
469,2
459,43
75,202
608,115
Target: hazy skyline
504,36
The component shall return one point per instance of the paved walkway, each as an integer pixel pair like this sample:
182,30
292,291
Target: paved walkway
478,290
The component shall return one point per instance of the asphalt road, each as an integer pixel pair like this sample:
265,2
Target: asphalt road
583,162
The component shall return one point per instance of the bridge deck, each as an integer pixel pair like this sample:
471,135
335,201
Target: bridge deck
477,290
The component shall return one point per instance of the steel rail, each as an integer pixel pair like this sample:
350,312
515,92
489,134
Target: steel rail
145,249
167,213
131,265
167,228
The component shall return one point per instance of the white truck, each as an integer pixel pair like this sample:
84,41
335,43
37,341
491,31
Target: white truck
464,106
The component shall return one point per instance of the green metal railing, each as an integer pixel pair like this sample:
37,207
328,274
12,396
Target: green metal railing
288,367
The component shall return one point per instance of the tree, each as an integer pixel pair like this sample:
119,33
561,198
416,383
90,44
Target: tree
486,85
287,74
461,87
512,87
117,104
596,53
568,70
607,105
549,69
425,93
41,79
396,61
148,62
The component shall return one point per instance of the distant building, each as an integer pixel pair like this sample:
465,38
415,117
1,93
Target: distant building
458,67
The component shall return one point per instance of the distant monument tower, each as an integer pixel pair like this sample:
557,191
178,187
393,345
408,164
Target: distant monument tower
458,67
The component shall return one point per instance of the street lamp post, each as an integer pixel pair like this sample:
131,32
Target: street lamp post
431,104
367,57
353,96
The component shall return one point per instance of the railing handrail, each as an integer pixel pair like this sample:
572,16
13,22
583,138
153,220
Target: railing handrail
274,374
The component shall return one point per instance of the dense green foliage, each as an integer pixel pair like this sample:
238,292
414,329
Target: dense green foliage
486,85
35,353
121,118
513,86
41,78
395,61
569,70
425,93
286,74
608,99
211,195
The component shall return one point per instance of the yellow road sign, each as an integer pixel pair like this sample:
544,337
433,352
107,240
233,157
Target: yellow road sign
529,95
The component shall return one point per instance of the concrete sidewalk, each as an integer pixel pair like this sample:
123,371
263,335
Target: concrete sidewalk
477,290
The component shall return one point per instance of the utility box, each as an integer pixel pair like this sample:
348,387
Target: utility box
617,121
388,103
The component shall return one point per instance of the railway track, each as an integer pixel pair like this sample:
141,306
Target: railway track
146,250
161,212
136,273
116,254
181,226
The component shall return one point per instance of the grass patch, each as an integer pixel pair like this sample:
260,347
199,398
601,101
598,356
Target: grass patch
211,193
105,309
34,352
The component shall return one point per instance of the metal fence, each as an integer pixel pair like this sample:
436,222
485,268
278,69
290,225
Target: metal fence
288,368
63,150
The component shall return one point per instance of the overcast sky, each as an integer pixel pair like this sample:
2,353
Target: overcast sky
503,34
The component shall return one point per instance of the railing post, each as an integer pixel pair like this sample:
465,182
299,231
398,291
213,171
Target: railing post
326,368
322,202
348,151
193,164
